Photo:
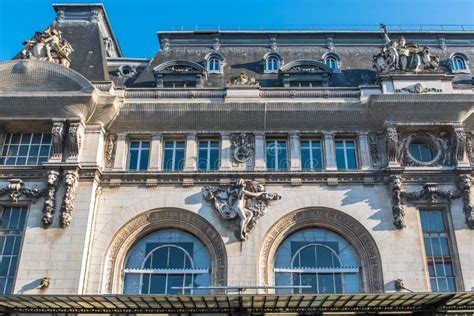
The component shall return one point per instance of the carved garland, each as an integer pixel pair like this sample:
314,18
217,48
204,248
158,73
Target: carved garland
16,189
71,180
50,201
339,222
151,221
431,194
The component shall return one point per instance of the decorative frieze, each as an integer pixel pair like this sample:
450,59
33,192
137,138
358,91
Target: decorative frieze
16,189
246,200
50,201
71,180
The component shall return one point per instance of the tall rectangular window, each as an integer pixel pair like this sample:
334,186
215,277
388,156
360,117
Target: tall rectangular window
138,156
311,155
208,155
29,149
438,252
346,156
173,156
11,234
277,155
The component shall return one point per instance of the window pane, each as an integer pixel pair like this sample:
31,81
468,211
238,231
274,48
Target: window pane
133,160
179,159
340,159
144,159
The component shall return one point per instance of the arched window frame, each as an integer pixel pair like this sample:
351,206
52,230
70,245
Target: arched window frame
270,61
215,59
459,63
335,57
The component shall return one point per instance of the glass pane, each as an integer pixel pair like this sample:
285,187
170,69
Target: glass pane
340,159
134,145
179,160
144,159
202,159
168,160
214,159
351,159
271,155
133,160
282,156
326,283
306,163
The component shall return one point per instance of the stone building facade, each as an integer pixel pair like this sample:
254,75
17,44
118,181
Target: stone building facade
272,162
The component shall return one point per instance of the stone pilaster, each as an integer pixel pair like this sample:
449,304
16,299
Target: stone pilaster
156,152
364,150
121,152
330,151
295,152
226,159
260,164
92,153
191,153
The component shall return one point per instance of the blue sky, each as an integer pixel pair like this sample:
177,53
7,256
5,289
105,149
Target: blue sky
136,22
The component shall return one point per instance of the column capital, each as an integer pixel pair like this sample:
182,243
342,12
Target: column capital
294,134
156,135
363,133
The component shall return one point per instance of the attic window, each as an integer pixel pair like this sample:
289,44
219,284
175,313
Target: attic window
459,63
333,61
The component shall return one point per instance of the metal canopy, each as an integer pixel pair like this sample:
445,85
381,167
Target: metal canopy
460,301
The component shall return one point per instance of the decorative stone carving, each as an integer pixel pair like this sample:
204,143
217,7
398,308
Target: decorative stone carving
180,69
460,144
71,180
242,146
430,193
442,42
398,211
246,200
402,56
243,80
50,202
110,150
74,139
469,147
57,135
392,145
374,149
273,43
418,88
330,43
465,187
16,188
49,46
216,43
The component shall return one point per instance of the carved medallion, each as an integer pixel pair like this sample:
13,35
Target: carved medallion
242,147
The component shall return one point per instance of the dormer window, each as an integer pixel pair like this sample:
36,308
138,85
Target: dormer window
272,62
179,74
215,62
214,65
305,73
459,63
332,61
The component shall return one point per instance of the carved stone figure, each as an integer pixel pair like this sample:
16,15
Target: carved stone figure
216,44
16,188
165,44
398,211
57,134
392,144
50,202
402,56
273,43
460,141
71,180
110,150
246,200
243,80
374,149
49,46
242,147
469,147
465,186
74,138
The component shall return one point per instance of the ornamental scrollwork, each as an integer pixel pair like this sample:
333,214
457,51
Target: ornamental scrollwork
402,56
16,189
110,149
460,144
374,149
48,45
242,146
439,142
398,210
469,148
243,80
246,200
71,180
50,201
418,88
465,184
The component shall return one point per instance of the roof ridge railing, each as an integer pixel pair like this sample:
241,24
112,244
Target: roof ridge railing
316,27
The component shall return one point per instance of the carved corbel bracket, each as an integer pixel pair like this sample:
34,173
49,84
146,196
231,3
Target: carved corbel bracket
16,189
50,202
460,144
398,210
392,146
57,134
110,150
465,189
74,139
71,180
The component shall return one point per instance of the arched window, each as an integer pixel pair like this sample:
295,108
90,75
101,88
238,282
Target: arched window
459,63
272,64
316,261
332,62
167,262
214,65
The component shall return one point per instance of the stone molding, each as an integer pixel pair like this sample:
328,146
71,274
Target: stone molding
343,224
154,220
